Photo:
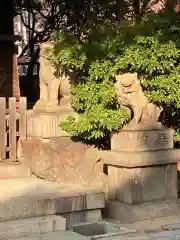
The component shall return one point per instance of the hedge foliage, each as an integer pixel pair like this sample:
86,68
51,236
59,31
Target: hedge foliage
150,48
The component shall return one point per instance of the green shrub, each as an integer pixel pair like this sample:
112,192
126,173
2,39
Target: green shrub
151,48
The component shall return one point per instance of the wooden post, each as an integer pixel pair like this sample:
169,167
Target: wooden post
15,81
12,129
2,128
22,118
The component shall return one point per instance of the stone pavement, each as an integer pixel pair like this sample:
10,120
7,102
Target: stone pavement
153,229
164,235
153,225
146,230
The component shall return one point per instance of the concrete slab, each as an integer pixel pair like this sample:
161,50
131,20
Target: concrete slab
100,230
32,197
25,227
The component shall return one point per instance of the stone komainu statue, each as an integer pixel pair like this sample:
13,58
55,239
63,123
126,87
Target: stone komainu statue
53,90
129,93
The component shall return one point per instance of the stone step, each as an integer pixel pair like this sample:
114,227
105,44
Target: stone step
32,197
24,227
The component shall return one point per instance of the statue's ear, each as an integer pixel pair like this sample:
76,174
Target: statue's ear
136,79
117,77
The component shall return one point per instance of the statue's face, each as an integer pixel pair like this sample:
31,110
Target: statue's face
46,50
126,79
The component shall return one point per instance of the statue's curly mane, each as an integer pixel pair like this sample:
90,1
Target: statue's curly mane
129,93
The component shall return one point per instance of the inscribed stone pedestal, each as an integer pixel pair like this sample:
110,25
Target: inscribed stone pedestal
142,164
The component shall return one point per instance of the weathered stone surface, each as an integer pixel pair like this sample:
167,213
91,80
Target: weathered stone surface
24,227
32,197
63,160
129,93
73,207
142,140
139,159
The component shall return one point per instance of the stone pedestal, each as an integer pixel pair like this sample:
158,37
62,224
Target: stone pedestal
46,124
142,169
142,140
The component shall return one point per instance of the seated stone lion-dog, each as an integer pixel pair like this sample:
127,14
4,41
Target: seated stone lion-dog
129,93
53,90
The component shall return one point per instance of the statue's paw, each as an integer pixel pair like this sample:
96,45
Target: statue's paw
132,124
40,103
52,103
133,121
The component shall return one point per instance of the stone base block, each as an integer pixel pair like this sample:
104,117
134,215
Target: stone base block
143,184
140,159
30,197
140,177
49,205
127,213
142,140
46,125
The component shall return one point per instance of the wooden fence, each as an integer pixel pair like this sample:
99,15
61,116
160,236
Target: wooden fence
12,127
